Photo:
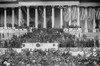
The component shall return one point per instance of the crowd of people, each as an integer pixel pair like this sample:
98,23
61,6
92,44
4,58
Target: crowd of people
50,35
47,58
51,57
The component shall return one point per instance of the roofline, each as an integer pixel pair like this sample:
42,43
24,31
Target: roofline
49,3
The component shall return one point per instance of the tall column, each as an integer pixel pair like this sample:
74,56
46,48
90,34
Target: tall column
86,29
61,17
13,17
69,9
53,16
19,16
5,18
78,19
27,16
36,17
44,13
94,30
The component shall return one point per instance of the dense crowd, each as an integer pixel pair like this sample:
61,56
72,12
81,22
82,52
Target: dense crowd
51,57
47,58
50,35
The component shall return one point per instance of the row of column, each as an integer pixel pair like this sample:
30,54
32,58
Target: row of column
5,18
36,17
44,16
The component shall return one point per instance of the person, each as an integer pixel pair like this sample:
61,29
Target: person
3,63
97,43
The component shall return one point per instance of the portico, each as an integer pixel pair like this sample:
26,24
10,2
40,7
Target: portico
61,5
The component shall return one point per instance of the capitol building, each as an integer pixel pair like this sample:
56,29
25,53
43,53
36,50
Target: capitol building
17,15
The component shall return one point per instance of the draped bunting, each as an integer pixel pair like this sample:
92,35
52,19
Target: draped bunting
66,14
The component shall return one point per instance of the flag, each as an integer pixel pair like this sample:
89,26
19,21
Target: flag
82,13
74,13
91,13
66,14
98,14
41,11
